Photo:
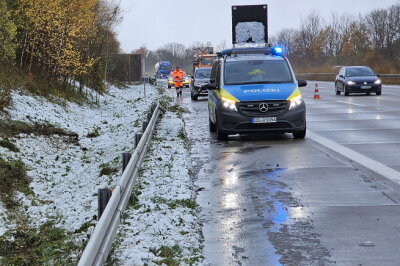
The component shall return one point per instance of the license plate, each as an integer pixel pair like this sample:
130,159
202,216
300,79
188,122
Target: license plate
365,87
261,120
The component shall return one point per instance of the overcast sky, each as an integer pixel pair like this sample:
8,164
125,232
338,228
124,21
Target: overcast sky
153,23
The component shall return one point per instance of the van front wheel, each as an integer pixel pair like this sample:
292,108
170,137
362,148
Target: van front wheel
300,134
220,135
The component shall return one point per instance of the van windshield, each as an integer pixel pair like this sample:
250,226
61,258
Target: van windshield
257,71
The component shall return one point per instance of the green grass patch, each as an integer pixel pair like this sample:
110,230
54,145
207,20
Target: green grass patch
84,227
8,145
106,170
176,108
173,204
11,128
182,135
12,77
5,98
94,133
46,245
13,178
169,255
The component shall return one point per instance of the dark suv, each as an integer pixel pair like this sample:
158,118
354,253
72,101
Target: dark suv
357,79
200,79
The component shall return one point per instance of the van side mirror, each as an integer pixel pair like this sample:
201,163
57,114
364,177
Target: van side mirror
211,86
302,83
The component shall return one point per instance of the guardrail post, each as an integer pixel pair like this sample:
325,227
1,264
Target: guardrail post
138,136
144,125
126,156
104,195
149,115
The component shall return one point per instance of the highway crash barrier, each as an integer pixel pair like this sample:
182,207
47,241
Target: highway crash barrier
99,245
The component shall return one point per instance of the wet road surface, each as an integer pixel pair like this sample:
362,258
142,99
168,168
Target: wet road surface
273,200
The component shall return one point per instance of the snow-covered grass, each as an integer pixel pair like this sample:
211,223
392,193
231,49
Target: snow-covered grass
65,173
161,224
65,163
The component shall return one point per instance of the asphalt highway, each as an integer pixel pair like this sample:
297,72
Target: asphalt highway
330,199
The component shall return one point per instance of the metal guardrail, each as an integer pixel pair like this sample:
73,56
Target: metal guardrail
325,74
100,242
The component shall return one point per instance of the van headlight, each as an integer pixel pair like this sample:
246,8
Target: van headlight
228,104
295,101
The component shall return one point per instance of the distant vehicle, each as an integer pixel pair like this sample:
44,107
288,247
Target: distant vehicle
163,69
254,90
186,81
200,79
204,58
170,82
357,79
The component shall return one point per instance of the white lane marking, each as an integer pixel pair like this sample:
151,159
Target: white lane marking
391,86
351,103
365,161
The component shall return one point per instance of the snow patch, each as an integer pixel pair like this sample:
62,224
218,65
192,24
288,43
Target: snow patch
165,180
253,32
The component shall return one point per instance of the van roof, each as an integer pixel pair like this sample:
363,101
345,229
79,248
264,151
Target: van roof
254,57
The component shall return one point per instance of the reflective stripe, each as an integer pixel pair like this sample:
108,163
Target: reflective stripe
226,94
295,93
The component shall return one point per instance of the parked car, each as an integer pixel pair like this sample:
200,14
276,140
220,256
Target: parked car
357,79
199,80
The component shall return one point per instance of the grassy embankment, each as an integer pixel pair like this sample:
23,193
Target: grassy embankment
23,244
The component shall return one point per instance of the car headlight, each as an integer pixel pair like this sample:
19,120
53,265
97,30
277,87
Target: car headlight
295,101
378,82
228,104
350,82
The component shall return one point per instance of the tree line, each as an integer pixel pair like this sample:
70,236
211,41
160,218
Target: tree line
372,39
176,53
62,41
318,44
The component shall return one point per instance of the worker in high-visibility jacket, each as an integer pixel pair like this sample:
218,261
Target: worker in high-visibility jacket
178,76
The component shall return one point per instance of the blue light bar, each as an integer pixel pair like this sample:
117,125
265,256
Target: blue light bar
277,51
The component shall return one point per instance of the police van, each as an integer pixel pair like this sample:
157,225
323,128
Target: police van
254,90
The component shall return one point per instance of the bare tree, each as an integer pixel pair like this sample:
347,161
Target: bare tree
310,29
377,26
221,45
287,39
